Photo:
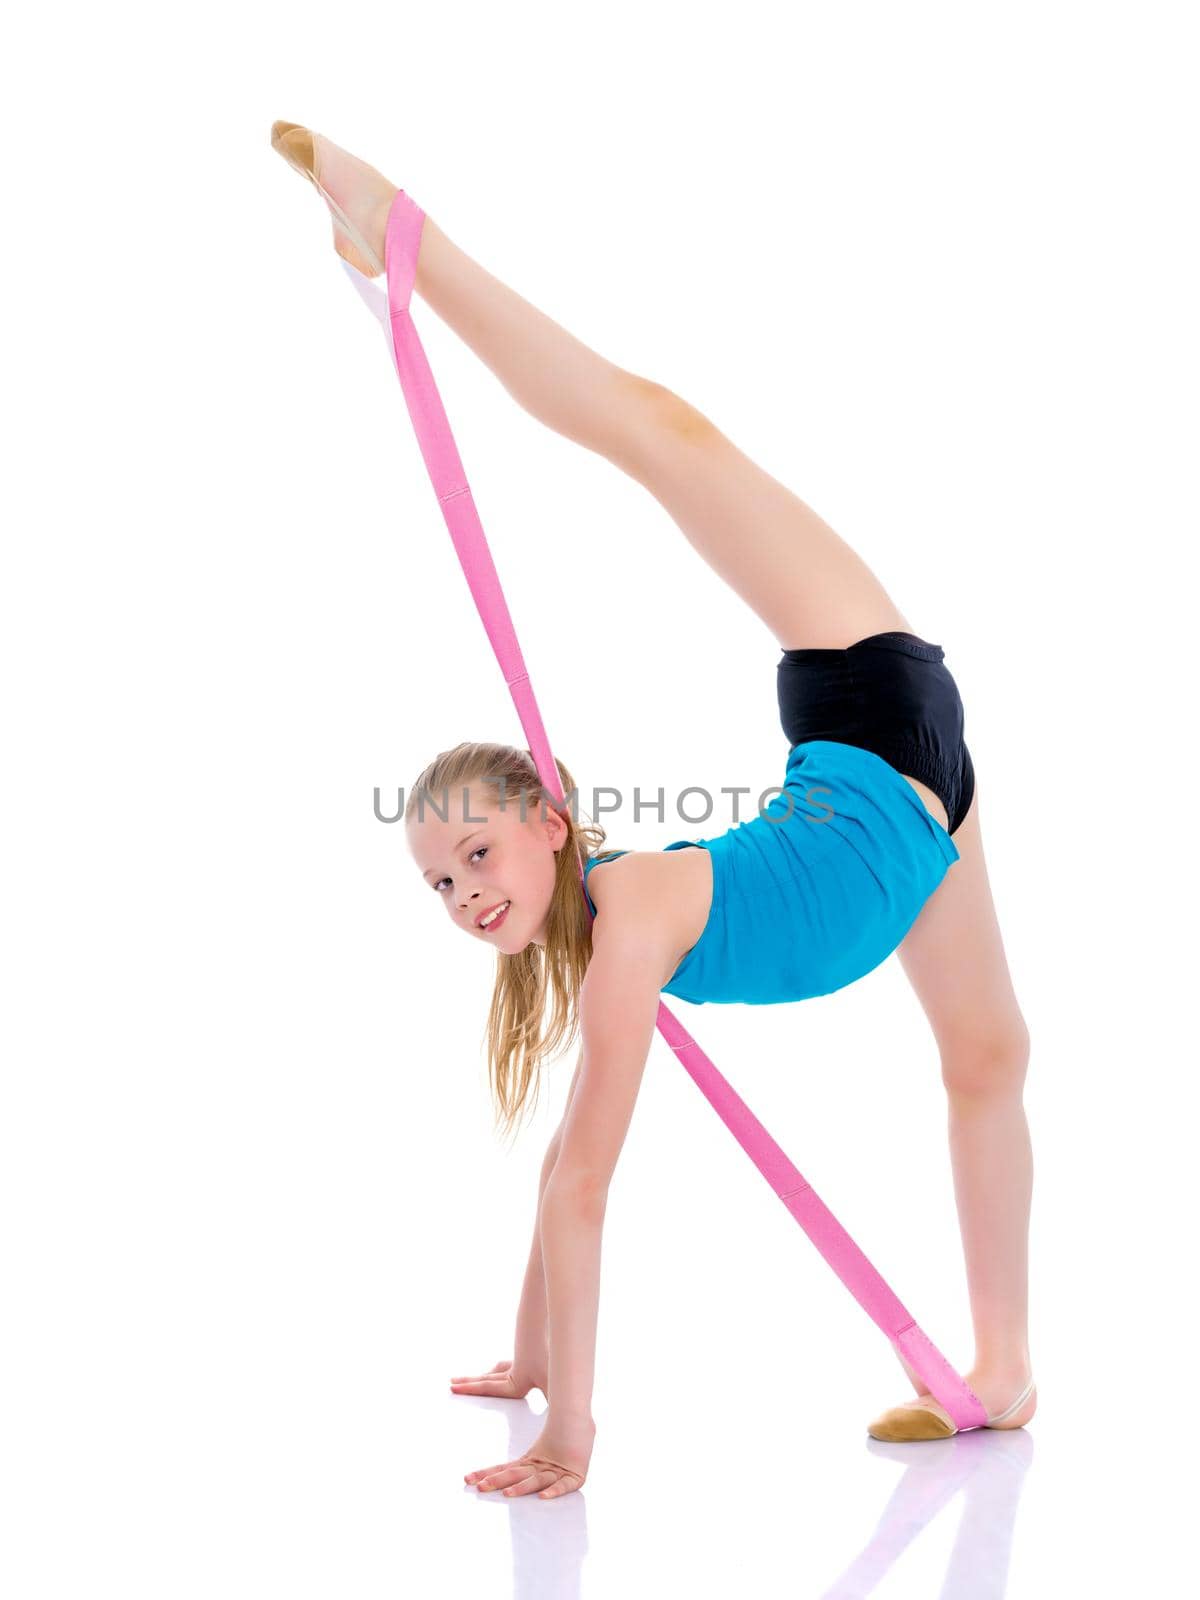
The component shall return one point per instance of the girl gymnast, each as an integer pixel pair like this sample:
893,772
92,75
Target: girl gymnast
872,845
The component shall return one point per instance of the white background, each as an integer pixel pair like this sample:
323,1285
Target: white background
932,266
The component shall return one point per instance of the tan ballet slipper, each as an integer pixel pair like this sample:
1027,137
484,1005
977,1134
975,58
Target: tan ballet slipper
926,1419
332,171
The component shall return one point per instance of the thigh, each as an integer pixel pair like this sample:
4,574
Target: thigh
953,955
805,582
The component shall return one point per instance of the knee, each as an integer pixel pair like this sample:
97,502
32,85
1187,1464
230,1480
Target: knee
987,1063
662,409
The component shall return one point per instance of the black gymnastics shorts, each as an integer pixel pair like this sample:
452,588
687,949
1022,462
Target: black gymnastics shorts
889,693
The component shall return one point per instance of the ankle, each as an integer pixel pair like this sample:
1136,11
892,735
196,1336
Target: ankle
1005,1365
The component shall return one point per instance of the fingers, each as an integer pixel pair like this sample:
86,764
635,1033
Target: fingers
542,1479
501,1386
516,1477
565,1479
523,1478
501,1366
527,1476
564,1486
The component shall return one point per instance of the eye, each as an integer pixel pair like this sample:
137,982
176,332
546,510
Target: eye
478,850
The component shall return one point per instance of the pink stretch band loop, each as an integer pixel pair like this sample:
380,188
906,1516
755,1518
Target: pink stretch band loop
403,245
431,425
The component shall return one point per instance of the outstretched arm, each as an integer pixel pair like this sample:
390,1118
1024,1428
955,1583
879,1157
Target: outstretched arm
548,372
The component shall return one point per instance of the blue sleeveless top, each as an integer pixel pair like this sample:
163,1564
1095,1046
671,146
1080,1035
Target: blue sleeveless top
817,888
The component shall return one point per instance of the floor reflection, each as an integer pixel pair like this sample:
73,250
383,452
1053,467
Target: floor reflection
988,1466
549,1538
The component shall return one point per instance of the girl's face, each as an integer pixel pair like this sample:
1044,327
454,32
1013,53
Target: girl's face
474,866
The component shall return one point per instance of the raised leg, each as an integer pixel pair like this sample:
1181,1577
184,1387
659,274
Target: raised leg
805,582
775,552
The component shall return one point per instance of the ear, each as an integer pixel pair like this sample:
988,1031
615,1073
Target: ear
556,828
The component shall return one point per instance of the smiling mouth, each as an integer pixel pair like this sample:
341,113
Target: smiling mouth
496,918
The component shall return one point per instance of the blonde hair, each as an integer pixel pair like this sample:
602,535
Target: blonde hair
518,1037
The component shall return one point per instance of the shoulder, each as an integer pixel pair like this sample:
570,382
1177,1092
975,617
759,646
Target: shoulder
629,879
633,906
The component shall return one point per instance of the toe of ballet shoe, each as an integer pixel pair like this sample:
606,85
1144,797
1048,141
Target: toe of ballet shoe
903,1424
296,145
278,129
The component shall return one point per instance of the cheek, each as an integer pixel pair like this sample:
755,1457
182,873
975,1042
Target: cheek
543,870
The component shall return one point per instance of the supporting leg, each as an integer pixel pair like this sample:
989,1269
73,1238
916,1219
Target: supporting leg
954,957
992,1158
